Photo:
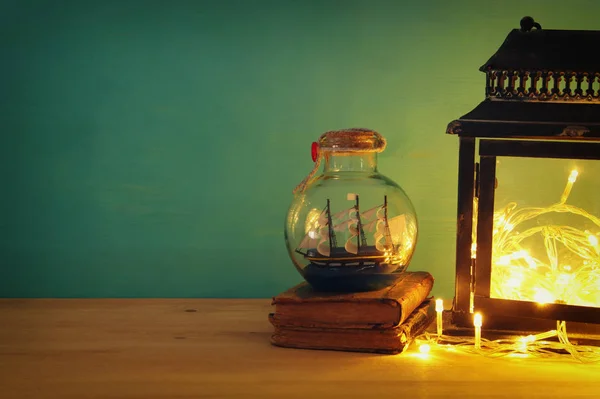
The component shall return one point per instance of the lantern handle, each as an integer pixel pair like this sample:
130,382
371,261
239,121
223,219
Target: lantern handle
527,23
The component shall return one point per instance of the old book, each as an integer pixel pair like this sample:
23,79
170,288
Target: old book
301,306
390,341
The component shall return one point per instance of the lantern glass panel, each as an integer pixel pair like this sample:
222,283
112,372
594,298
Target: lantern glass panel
546,231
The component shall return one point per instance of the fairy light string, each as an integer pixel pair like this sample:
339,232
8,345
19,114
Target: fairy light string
567,272
553,344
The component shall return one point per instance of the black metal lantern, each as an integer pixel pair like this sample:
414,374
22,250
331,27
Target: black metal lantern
542,105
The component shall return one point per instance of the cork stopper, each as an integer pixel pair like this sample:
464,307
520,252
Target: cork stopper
352,140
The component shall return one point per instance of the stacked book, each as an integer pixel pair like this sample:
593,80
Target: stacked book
383,321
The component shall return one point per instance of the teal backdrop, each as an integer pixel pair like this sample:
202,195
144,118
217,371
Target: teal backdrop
150,148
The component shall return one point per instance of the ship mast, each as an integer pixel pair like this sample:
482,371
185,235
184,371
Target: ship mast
362,240
387,226
332,240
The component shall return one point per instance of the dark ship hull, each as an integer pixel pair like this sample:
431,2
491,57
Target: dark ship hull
342,271
367,256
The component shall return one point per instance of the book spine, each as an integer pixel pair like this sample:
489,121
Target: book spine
392,341
383,312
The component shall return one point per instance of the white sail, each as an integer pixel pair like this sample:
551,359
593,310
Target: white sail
346,224
316,235
324,233
308,242
397,227
351,246
379,244
382,234
342,214
323,219
353,214
370,213
375,225
383,242
323,248
317,239
342,226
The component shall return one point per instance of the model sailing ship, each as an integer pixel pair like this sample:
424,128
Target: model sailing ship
321,244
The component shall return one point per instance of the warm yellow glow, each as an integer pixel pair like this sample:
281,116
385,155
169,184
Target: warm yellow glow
545,335
546,263
419,355
536,346
439,305
477,320
439,308
524,341
471,302
474,250
529,338
593,241
563,279
311,224
573,176
570,181
518,355
516,279
542,296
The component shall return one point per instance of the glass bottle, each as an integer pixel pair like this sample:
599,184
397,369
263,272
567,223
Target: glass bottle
350,228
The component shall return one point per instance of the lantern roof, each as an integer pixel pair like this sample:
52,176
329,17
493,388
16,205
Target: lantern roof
551,50
542,84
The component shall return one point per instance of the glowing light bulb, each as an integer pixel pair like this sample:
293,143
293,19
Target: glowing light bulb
439,305
593,240
439,308
543,296
573,176
563,279
519,254
424,348
477,322
524,341
503,260
569,186
515,281
530,262
474,250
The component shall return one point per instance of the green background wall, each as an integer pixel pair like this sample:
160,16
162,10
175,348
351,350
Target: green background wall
149,148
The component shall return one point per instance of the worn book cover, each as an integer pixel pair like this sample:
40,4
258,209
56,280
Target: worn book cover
301,306
390,341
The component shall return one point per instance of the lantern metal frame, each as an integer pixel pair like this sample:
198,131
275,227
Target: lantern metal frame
542,101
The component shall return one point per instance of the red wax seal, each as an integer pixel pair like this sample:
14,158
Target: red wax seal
314,151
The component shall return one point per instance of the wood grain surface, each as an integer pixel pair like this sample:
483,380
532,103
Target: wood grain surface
182,348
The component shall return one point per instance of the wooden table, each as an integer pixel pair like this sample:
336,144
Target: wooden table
176,348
